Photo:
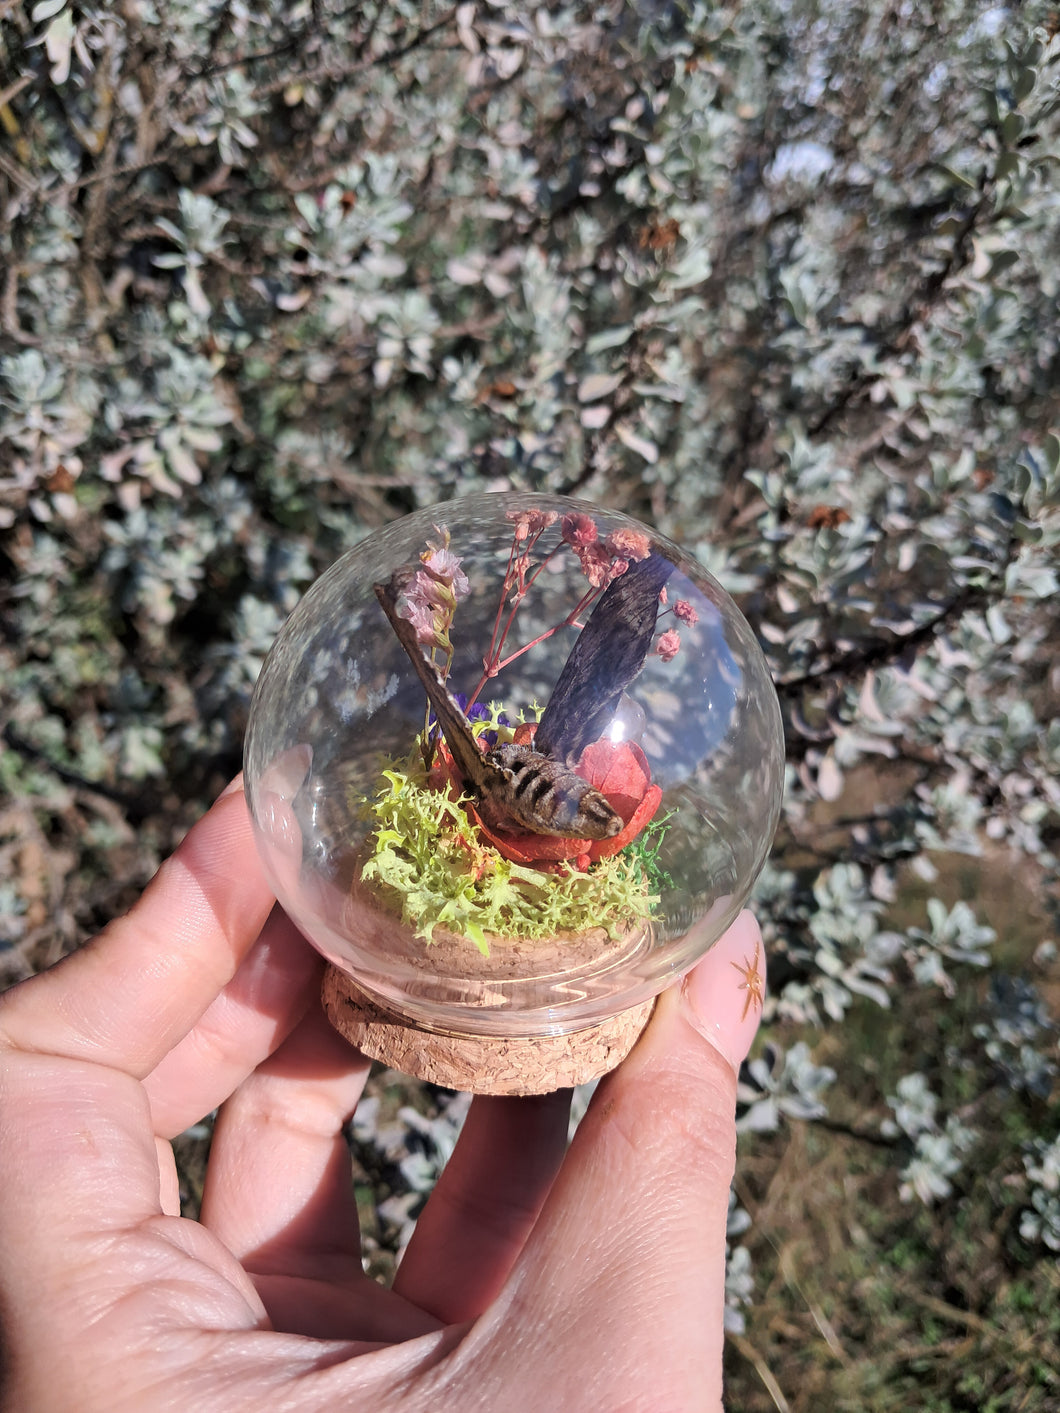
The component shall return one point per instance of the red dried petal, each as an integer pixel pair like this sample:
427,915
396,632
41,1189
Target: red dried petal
619,771
521,846
644,813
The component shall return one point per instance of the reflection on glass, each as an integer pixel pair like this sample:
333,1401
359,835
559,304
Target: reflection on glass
601,677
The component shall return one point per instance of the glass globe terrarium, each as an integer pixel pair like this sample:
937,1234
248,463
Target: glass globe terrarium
513,764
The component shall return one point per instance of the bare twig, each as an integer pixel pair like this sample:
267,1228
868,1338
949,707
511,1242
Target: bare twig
18,174
761,1368
886,650
14,89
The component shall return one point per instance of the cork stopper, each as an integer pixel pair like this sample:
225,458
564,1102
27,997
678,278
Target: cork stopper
481,1064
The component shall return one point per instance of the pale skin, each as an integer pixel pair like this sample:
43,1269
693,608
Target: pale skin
583,1280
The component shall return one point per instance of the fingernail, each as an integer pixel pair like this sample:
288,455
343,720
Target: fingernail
722,995
233,787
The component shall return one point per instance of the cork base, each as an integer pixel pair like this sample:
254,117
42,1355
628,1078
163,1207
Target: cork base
482,1064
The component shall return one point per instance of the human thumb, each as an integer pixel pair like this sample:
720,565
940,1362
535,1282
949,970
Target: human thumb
622,1283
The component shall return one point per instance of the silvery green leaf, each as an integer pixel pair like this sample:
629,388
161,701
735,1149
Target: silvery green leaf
31,381
608,338
58,45
307,207
141,752
738,1220
1028,532
692,269
929,971
995,621
599,385
668,392
1035,580
829,778
641,445
202,438
739,1289
595,416
872,990
804,161
762,1117
466,269
180,460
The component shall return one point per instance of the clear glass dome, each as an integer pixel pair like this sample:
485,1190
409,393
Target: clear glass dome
551,814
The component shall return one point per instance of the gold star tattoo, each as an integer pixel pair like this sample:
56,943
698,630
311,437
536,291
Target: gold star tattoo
752,983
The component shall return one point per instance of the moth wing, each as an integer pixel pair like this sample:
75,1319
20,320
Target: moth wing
609,653
458,735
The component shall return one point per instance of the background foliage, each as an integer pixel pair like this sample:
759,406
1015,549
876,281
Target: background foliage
779,277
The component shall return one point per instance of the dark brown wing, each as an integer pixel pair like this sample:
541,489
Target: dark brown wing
608,654
458,736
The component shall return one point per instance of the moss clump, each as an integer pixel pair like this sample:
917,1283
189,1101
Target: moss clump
429,861
643,853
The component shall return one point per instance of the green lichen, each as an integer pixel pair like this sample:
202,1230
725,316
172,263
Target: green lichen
428,862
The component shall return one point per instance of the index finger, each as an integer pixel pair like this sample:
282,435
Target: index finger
128,996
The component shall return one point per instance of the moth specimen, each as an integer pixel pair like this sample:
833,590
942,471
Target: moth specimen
535,787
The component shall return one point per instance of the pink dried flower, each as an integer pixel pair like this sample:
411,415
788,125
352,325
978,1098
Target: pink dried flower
429,599
579,530
521,519
685,612
629,544
444,565
531,522
596,563
669,645
421,591
420,612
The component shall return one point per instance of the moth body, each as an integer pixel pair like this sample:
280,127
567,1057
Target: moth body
517,786
546,797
